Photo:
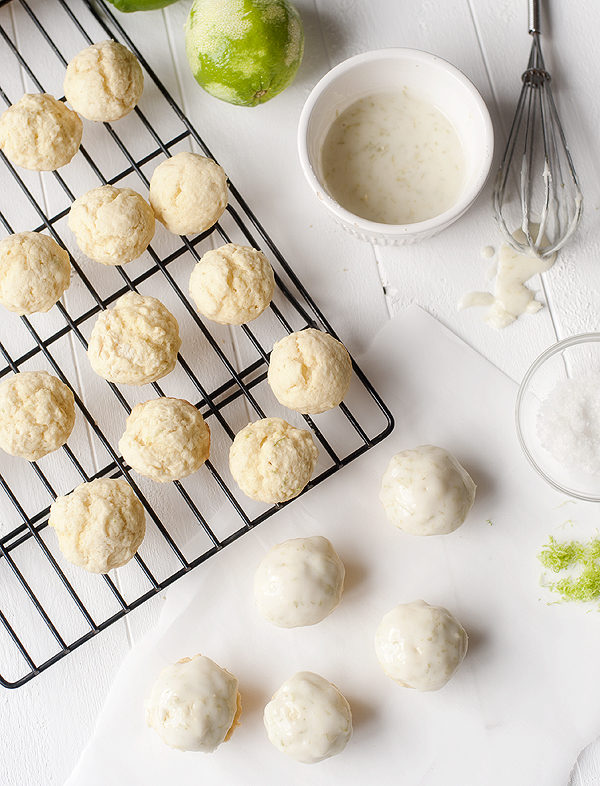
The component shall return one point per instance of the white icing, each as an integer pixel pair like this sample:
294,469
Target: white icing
299,582
425,491
476,299
308,718
420,646
491,272
392,158
511,297
193,704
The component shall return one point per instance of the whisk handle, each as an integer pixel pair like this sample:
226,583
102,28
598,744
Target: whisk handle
534,17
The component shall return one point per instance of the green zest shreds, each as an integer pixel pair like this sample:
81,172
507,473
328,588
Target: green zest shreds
583,562
559,556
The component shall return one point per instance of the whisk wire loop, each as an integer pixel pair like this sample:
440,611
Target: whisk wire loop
548,203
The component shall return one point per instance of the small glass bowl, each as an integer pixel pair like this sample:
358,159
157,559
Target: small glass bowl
578,356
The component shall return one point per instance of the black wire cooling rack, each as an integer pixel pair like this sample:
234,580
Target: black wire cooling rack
47,607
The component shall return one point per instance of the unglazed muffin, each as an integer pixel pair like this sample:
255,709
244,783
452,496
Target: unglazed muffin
112,225
309,371
165,439
37,414
232,284
134,342
100,525
272,461
34,272
188,193
40,133
104,81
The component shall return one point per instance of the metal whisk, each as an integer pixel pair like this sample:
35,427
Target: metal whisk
546,203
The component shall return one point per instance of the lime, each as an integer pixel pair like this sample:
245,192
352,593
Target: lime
244,51
140,5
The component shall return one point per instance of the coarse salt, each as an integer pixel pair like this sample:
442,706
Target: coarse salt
568,423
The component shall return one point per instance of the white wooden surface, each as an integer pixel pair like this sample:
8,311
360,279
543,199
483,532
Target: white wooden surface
44,725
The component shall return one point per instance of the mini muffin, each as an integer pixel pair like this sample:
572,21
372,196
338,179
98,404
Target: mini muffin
271,461
104,81
420,646
112,225
299,582
100,525
232,284
194,705
34,272
134,342
40,133
426,491
165,439
37,414
308,718
309,371
188,193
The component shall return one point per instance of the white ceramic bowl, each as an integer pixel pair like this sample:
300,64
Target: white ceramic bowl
426,76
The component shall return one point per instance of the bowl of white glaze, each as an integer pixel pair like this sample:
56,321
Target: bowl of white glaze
433,81
564,448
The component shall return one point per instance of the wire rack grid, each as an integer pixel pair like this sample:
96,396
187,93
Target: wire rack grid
47,608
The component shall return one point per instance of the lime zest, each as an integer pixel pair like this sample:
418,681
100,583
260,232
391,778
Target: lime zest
584,585
559,556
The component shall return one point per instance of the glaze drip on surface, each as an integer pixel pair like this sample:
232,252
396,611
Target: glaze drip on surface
511,297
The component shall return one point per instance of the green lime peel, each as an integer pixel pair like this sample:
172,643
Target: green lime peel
585,585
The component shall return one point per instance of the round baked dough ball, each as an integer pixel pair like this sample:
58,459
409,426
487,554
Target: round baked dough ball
426,491
34,272
309,371
100,525
165,439
104,81
112,225
420,646
308,718
232,284
188,193
194,705
37,414
271,461
299,582
134,342
39,132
